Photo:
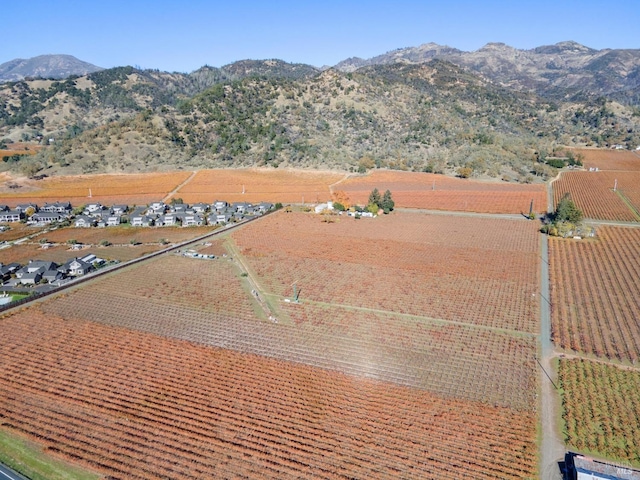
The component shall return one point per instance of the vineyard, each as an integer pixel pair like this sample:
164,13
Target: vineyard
403,263
624,160
595,292
593,193
205,301
286,186
137,406
608,424
108,189
438,192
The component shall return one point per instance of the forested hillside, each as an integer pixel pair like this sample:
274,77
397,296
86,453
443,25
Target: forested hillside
432,116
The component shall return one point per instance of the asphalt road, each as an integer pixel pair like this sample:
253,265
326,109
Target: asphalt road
7,474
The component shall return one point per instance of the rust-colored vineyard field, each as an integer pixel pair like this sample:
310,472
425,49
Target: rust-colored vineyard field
595,292
136,406
608,424
209,302
470,270
286,186
593,193
439,192
609,159
109,189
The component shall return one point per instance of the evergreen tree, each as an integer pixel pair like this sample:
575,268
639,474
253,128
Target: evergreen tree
374,198
387,202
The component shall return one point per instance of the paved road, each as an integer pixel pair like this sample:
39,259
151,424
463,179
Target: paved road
552,448
7,474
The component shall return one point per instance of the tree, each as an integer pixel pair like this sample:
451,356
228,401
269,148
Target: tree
387,202
374,197
567,211
465,172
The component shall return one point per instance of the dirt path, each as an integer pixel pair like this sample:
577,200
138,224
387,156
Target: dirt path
177,189
346,176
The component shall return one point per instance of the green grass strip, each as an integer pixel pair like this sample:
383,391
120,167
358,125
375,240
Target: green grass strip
30,460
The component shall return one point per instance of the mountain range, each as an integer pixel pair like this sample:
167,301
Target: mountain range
497,110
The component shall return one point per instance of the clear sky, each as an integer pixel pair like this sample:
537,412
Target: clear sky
183,36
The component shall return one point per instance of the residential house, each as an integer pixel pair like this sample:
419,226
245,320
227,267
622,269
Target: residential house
91,208
47,217
158,207
113,220
264,207
170,220
53,275
193,220
59,207
4,208
23,207
31,278
179,207
77,267
141,221
218,218
119,209
84,221
200,207
11,216
219,204
241,207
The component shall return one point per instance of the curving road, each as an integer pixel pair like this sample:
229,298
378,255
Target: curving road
7,474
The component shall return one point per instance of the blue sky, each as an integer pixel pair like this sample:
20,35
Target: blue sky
183,36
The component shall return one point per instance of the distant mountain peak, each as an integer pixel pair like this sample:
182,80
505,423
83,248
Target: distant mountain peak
45,66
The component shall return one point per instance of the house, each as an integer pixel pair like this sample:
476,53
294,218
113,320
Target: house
90,208
35,266
57,207
4,208
23,207
170,220
585,468
200,207
218,218
113,220
119,209
141,221
52,275
158,207
264,207
31,278
11,216
46,217
77,267
179,207
84,221
323,206
219,204
241,207
193,220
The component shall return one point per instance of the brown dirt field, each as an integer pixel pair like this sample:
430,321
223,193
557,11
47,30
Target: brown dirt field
137,406
606,159
18,230
23,253
286,186
124,234
439,192
20,148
